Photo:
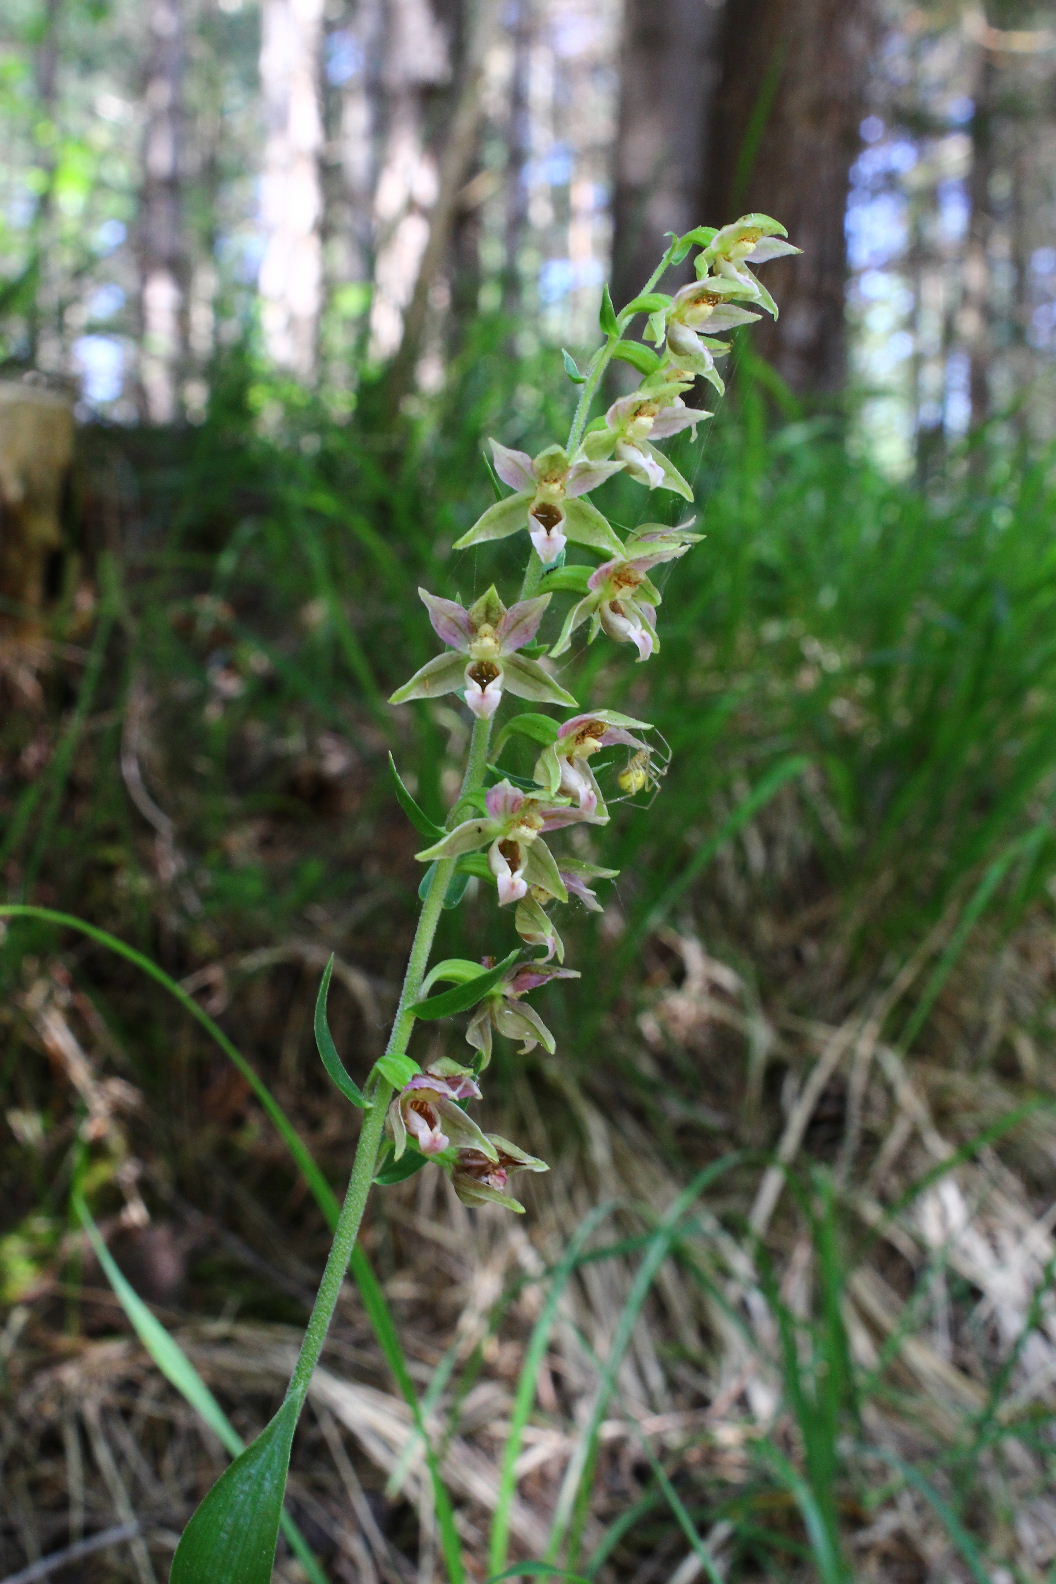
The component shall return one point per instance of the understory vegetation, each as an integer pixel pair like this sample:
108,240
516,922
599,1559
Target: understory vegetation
782,1309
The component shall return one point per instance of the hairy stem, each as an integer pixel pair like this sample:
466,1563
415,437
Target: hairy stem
365,1162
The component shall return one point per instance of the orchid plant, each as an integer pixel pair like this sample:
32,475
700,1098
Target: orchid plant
498,830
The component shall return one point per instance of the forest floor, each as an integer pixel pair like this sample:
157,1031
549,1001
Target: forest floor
782,1307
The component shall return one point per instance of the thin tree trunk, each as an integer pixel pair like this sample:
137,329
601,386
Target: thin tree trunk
163,252
783,135
459,146
974,325
667,77
291,271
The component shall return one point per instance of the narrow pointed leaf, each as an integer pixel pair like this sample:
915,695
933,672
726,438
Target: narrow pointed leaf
537,1570
463,996
572,369
453,970
233,1534
457,888
607,315
324,1042
396,1171
413,810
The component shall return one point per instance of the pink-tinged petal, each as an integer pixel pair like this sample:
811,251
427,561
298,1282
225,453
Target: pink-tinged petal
684,342
548,545
521,623
640,464
450,620
599,578
483,701
673,419
728,316
585,475
504,801
578,783
578,887
461,1086
513,467
558,818
625,628
532,975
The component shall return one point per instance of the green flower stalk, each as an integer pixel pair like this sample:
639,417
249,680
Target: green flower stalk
494,832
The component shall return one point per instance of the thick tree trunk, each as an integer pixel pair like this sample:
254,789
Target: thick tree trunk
164,263
667,77
783,134
291,271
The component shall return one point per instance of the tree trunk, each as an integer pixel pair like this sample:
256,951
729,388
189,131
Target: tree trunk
164,263
291,271
667,77
783,134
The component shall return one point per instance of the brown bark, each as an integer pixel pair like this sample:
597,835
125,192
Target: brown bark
667,75
36,452
782,138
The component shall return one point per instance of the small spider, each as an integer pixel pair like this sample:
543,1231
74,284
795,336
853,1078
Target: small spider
644,770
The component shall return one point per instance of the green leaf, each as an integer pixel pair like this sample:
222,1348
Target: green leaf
457,888
679,250
233,1534
414,812
607,316
640,357
324,1042
398,1070
537,1570
572,368
397,1171
178,1370
455,970
648,302
463,996
540,728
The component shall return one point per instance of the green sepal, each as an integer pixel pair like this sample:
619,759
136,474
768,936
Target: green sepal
639,356
701,236
572,368
540,868
467,836
414,812
463,996
396,1171
540,728
607,314
648,302
673,479
679,249
476,864
398,1070
585,525
526,679
498,522
324,1042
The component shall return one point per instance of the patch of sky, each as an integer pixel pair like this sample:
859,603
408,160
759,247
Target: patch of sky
1043,261
1042,333
344,57
110,235
100,361
106,301
872,129
958,399
876,229
554,169
953,208
558,278
961,110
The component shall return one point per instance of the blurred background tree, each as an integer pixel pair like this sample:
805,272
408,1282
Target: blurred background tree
344,188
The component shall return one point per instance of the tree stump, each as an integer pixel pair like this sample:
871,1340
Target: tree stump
36,456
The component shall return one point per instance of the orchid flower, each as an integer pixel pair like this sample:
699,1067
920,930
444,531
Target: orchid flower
562,768
481,1178
753,239
547,502
490,635
632,424
427,1110
511,832
502,1012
